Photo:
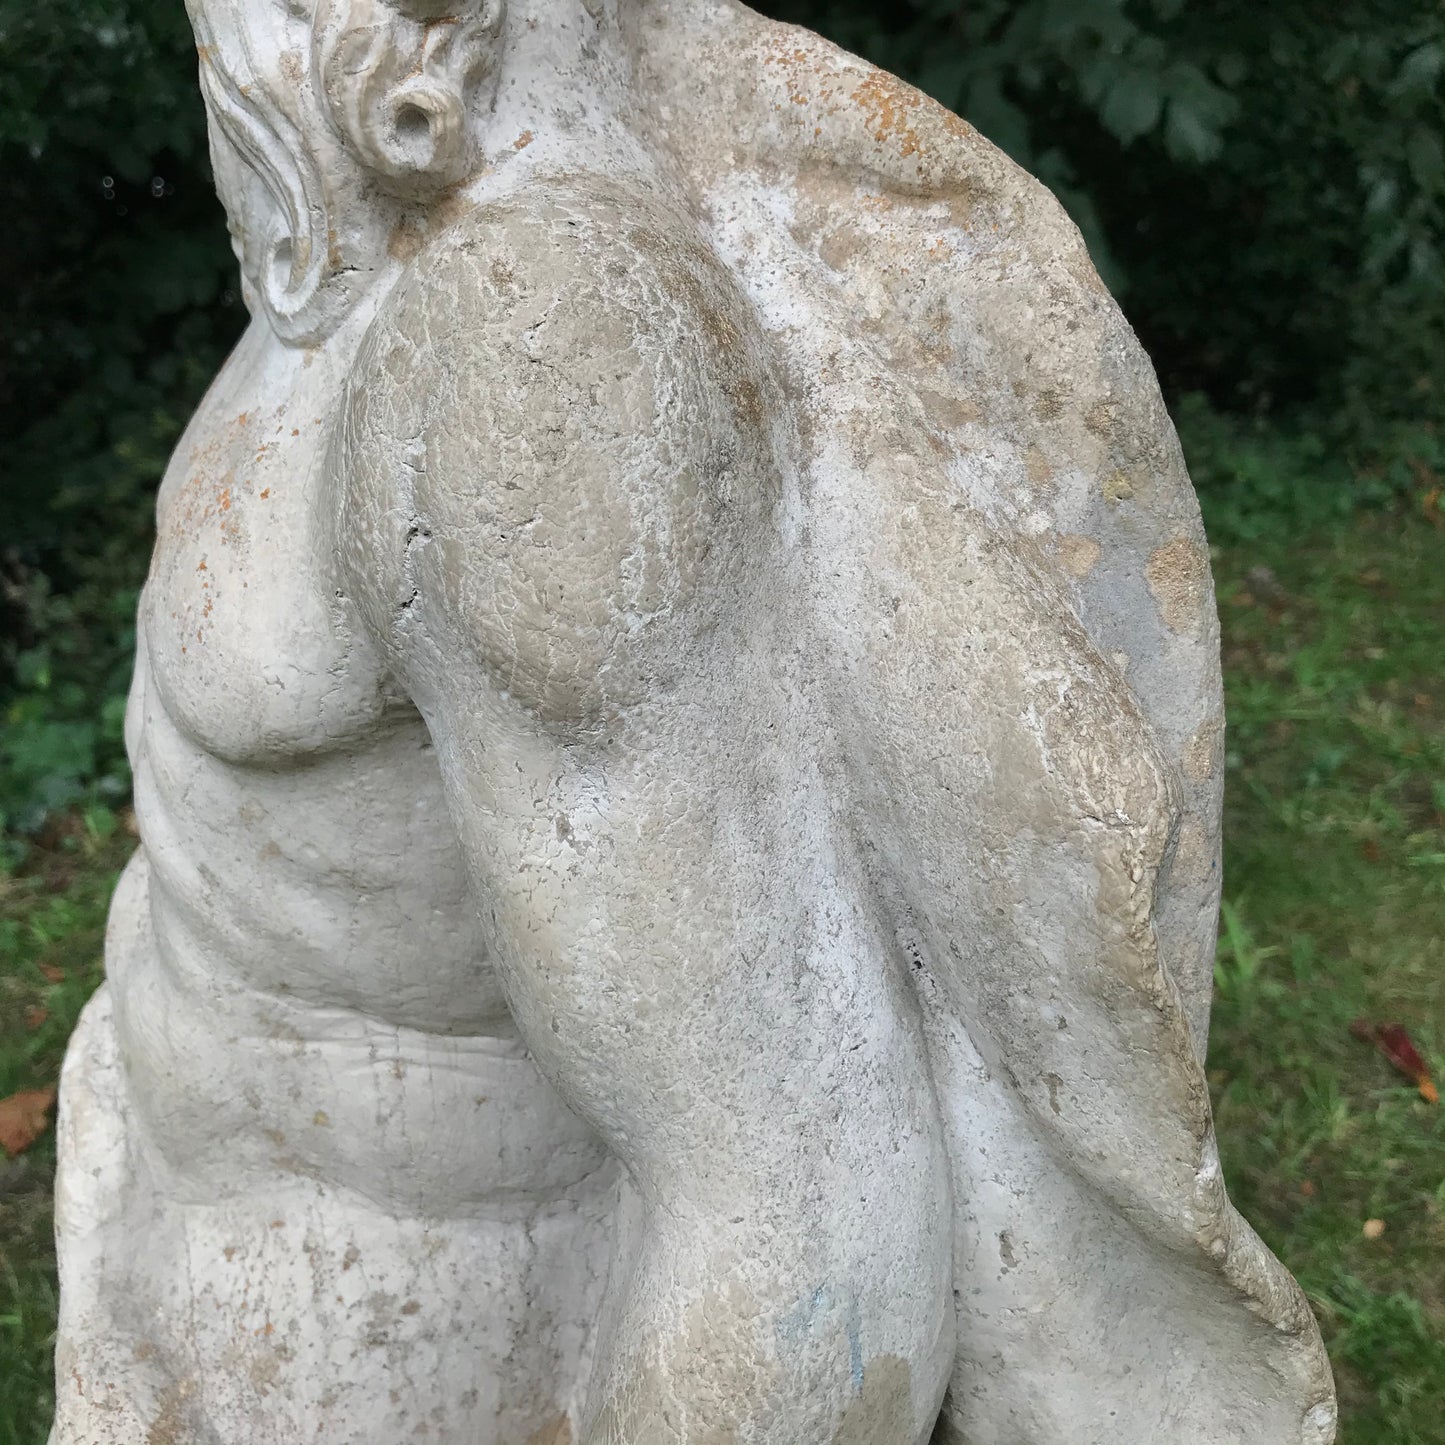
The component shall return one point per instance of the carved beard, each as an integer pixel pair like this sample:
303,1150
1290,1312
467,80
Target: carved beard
325,128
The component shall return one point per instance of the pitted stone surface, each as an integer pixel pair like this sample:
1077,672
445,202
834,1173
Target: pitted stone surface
677,737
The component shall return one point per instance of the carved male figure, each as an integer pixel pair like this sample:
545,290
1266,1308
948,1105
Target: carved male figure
677,746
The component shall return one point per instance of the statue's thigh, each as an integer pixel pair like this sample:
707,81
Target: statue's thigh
701,970
698,968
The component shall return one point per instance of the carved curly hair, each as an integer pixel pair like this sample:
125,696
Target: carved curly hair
398,79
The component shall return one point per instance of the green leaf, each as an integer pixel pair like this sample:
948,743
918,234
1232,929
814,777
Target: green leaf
1189,135
1425,155
1231,69
998,118
1421,68
1132,106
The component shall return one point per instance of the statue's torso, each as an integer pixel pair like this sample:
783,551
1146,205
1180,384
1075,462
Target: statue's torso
308,914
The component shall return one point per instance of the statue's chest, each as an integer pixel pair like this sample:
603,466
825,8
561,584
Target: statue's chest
248,640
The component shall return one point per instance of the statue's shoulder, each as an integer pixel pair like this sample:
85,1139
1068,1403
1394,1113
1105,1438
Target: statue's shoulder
587,275
511,258
727,88
964,273
554,433
962,276
570,220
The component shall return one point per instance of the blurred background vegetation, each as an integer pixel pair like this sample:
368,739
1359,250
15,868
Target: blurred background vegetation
1262,186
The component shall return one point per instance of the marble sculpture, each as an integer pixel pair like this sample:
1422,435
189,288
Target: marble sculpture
677,743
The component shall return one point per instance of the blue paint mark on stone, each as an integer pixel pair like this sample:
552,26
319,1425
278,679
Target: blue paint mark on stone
855,1344
802,1320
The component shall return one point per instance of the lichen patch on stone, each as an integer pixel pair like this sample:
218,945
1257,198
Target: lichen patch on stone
1079,555
1178,576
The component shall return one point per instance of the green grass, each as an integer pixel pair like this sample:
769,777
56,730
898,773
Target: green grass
52,921
1335,877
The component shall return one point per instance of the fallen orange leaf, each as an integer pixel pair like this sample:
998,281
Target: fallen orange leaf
23,1118
1394,1041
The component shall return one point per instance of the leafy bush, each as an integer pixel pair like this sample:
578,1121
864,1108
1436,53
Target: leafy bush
119,309
1256,477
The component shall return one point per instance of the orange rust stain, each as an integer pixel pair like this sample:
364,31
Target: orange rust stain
405,240
889,106
779,56
523,141
201,565
265,492
557,1431
295,431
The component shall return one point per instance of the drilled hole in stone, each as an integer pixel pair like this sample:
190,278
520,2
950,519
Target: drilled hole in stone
283,258
413,128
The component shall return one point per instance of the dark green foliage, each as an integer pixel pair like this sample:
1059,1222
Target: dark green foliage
119,307
1258,479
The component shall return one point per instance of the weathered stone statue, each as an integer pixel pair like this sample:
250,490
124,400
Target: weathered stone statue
677,742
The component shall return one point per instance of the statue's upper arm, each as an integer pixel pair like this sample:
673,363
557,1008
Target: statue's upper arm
556,424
